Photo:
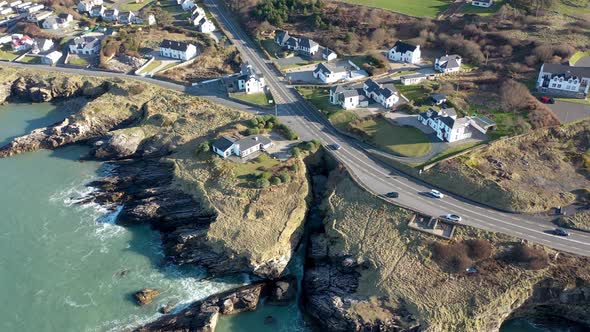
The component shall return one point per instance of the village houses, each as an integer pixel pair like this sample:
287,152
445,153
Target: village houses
386,96
85,6
110,15
482,3
302,45
200,20
97,11
448,64
405,52
250,81
448,127
177,50
348,98
329,73
21,43
412,79
51,58
564,80
227,146
85,45
41,45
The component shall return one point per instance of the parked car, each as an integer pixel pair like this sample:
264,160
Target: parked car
453,217
547,100
335,146
436,194
392,194
561,232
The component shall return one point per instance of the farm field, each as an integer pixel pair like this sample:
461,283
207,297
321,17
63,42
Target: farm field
419,8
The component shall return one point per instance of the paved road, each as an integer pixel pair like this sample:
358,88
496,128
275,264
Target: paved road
379,178
371,174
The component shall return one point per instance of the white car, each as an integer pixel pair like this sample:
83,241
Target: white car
436,194
453,217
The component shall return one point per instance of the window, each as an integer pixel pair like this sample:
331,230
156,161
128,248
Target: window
552,85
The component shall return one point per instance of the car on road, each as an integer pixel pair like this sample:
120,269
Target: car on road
453,217
561,232
546,100
436,194
335,146
392,194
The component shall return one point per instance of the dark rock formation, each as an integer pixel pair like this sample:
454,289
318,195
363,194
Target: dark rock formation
39,90
146,295
118,145
202,316
329,285
283,292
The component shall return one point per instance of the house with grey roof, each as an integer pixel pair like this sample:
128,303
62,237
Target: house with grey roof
387,96
243,147
110,15
303,45
448,63
348,98
85,45
177,50
413,78
330,73
250,80
97,11
450,128
405,52
564,80
328,54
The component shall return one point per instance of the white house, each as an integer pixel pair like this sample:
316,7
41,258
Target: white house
51,58
85,6
187,4
200,20
6,11
448,63
110,15
438,99
405,52
250,81
39,16
303,45
482,3
226,146
177,50
386,96
412,79
41,45
22,43
97,11
348,98
450,128
329,73
85,45
15,3
55,22
34,8
329,55
564,80
126,17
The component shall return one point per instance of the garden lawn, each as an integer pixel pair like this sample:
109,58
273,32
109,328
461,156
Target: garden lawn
7,54
412,92
77,61
133,6
253,98
30,59
270,47
250,170
320,98
153,65
419,8
400,140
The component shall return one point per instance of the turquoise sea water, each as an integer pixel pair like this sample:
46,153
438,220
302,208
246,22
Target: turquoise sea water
66,267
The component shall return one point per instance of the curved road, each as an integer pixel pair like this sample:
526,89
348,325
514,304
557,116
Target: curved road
372,174
379,178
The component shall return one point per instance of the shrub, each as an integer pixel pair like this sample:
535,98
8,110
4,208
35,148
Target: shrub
316,142
295,167
478,249
203,147
451,258
528,257
136,89
287,132
275,180
296,152
265,175
286,178
253,123
262,183
308,146
252,131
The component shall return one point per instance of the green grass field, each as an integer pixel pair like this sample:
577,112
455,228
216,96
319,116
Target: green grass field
420,8
270,47
412,92
253,98
31,59
250,170
153,65
574,7
77,61
7,54
132,6
339,117
400,140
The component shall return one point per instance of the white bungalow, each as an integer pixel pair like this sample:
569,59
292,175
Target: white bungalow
448,63
405,52
329,73
177,50
482,3
227,146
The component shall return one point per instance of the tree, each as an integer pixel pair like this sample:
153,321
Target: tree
513,96
262,183
275,181
285,177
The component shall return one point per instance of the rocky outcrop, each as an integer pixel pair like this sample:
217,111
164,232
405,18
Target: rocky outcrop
329,286
202,316
146,295
44,90
554,298
118,144
283,292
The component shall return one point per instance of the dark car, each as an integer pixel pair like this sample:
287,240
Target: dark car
547,100
561,232
392,194
335,146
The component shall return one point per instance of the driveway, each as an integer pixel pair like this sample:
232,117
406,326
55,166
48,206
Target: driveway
583,62
570,112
